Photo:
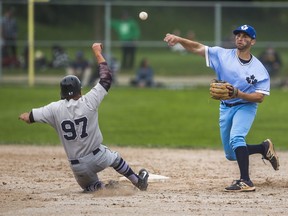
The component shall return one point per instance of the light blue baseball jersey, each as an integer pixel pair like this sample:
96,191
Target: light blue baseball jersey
250,77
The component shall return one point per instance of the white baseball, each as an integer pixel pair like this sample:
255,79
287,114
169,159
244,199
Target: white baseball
143,15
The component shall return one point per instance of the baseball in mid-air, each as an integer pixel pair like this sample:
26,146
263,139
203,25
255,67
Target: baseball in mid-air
143,15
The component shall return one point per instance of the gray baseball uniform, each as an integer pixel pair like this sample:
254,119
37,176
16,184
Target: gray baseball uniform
75,118
76,122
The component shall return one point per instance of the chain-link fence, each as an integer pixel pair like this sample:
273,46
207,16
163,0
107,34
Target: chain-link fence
74,25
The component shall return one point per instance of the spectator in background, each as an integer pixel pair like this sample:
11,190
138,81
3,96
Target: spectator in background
271,60
229,40
81,68
40,60
128,32
191,35
59,57
144,75
24,57
114,67
9,30
178,47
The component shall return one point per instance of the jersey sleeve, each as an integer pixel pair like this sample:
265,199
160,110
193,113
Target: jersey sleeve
44,114
263,87
95,96
263,82
212,58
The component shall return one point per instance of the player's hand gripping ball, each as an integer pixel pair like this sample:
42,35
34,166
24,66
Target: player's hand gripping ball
143,15
221,90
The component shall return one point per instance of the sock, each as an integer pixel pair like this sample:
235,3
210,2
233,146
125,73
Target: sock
124,169
256,149
242,156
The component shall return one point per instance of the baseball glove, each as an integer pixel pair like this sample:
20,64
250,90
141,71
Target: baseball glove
222,90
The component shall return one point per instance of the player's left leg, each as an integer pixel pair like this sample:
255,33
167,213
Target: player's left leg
239,131
140,180
107,158
86,178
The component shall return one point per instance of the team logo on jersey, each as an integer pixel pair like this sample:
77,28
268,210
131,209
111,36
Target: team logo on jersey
251,80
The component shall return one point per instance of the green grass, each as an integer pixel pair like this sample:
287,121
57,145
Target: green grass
185,118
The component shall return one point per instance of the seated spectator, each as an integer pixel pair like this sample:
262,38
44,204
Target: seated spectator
81,68
178,47
228,41
59,57
40,60
9,34
144,75
114,66
191,35
271,60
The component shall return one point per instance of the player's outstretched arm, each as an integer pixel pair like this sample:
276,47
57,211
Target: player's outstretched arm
189,45
97,49
104,71
25,117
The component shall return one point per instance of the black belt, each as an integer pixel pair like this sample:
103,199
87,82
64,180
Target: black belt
231,104
73,162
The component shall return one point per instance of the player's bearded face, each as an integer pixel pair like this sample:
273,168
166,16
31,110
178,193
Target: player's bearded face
243,41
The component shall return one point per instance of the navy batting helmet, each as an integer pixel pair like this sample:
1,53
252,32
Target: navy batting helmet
70,86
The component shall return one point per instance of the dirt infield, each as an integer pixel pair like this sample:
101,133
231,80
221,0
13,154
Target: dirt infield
38,181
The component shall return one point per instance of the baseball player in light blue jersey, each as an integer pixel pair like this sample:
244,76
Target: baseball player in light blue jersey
75,118
246,73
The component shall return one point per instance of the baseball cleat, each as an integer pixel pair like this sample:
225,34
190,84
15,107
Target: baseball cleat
142,183
270,154
241,186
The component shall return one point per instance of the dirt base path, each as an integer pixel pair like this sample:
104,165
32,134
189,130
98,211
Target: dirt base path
38,181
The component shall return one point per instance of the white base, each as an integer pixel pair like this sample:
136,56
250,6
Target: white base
152,178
